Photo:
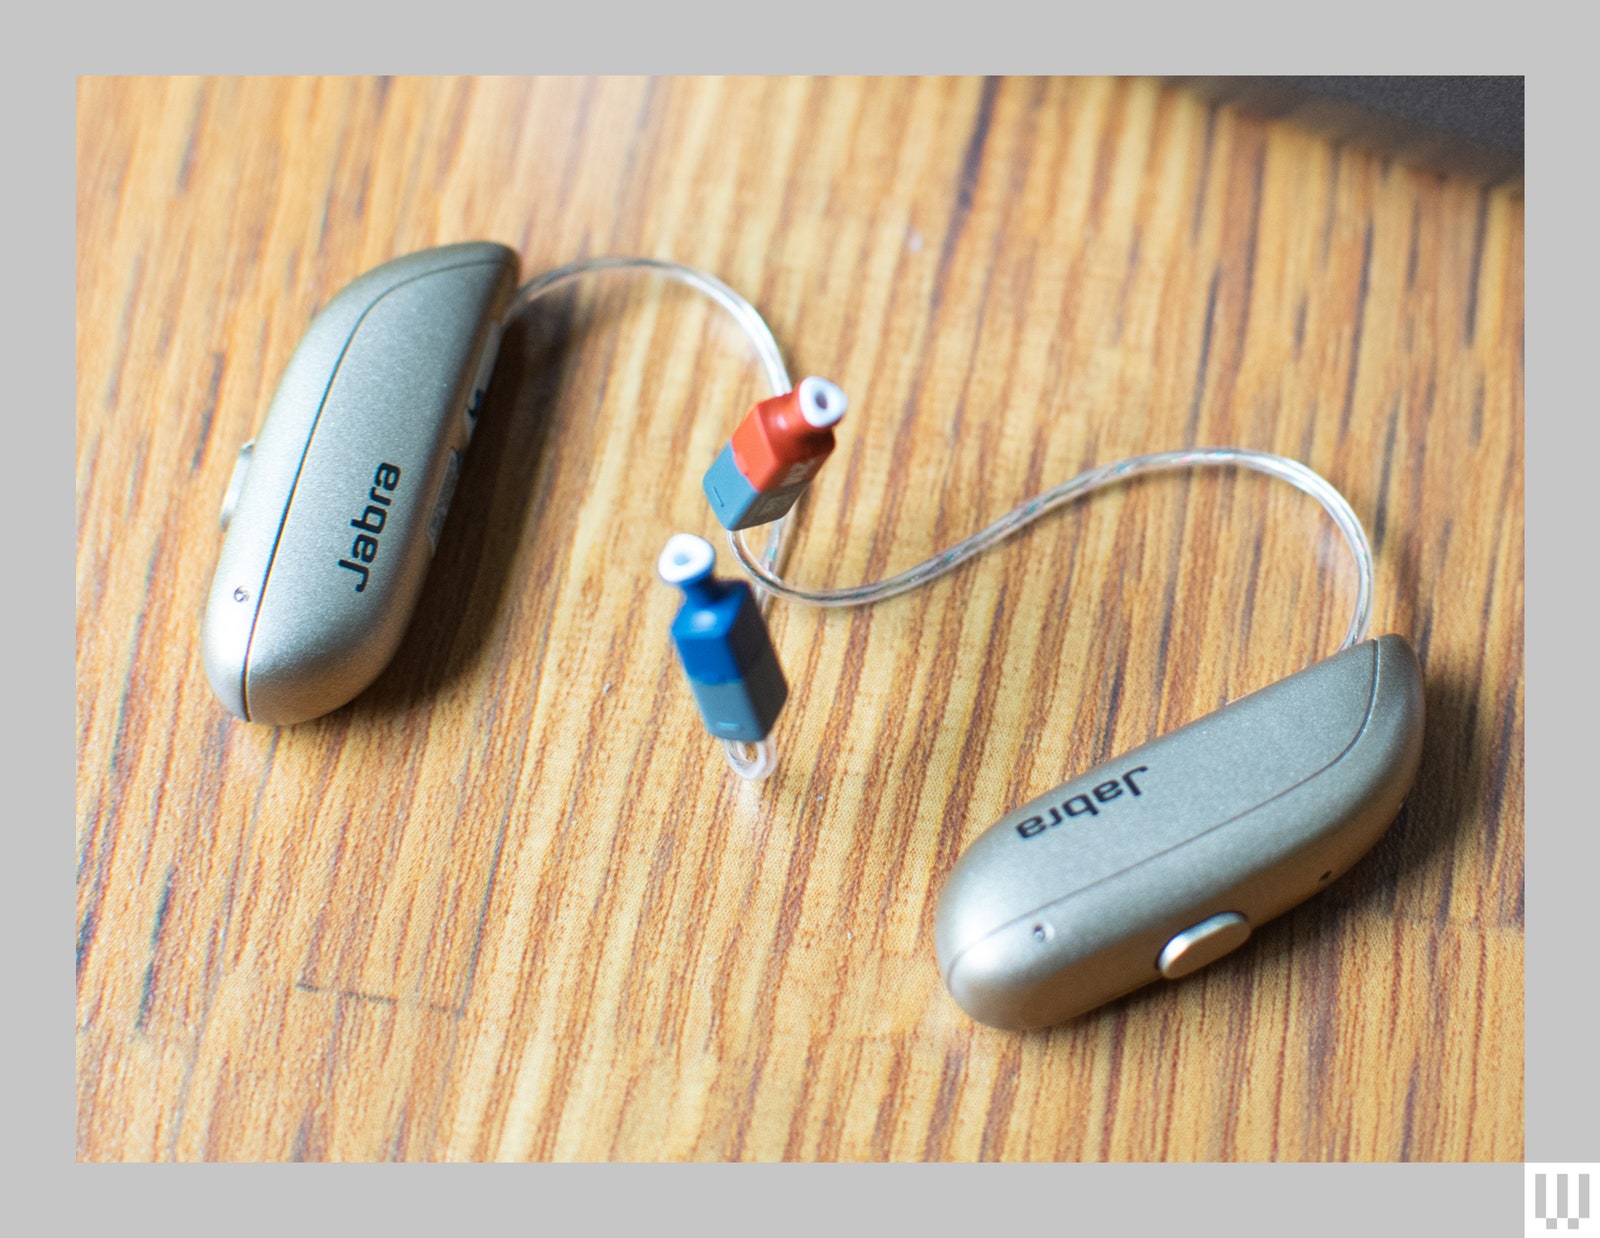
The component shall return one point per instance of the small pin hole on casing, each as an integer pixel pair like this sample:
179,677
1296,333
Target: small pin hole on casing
1043,932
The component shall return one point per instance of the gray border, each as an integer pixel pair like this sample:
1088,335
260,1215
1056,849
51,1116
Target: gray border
1242,1201
1281,1199
1562,1028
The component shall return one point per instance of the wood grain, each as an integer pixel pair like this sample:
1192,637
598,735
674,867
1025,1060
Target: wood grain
510,903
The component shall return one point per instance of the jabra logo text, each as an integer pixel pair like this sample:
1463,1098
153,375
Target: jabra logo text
365,547
1083,805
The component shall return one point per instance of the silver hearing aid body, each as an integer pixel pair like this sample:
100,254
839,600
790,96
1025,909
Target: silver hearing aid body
1162,860
334,510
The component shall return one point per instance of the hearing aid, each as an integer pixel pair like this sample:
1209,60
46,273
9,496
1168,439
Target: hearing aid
335,508
1149,866
1160,861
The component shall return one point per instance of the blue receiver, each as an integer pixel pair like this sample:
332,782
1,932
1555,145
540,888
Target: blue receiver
723,645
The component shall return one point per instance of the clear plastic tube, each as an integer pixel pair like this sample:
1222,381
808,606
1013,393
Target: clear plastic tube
751,761
1086,483
749,319
765,566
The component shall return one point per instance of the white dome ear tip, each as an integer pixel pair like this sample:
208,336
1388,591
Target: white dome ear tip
684,558
822,402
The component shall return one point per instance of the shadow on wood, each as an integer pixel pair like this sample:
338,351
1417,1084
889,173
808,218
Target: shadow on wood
504,478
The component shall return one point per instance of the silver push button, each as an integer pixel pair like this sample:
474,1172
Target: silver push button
1204,943
241,466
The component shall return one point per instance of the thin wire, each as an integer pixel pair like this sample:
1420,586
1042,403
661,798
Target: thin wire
746,315
1086,483
766,565
760,761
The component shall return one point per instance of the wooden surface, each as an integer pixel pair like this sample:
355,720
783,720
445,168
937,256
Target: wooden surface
510,903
